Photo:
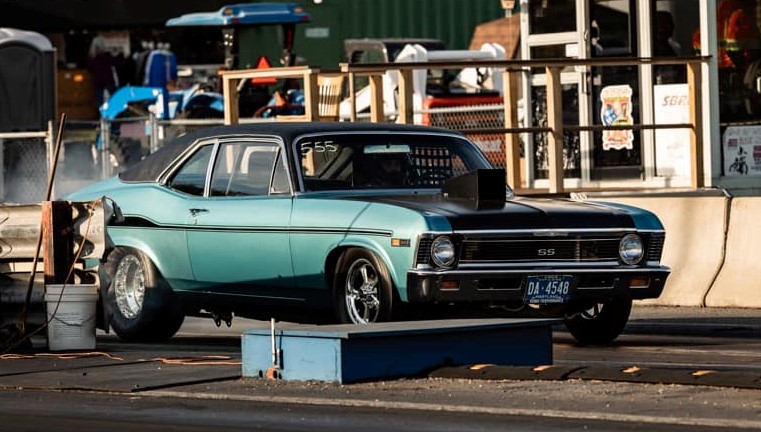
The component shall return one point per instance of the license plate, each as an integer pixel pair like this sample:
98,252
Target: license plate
548,289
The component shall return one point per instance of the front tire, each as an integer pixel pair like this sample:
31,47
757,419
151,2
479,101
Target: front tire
362,288
140,303
600,324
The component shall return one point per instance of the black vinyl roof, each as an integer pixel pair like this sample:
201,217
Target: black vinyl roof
152,166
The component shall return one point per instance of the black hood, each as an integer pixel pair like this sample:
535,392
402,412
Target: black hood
514,213
478,201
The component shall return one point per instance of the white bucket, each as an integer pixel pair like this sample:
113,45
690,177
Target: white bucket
71,316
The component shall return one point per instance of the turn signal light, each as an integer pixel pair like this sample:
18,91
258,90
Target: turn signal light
639,282
451,285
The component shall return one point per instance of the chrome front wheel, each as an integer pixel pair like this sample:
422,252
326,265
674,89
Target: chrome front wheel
363,290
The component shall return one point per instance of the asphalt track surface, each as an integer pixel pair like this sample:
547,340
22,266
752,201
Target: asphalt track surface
680,369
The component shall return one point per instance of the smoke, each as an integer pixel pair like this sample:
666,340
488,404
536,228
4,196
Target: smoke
26,172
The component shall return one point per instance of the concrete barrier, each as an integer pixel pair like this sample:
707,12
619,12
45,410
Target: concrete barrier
694,248
736,284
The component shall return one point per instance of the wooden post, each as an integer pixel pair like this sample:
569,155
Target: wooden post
353,97
555,135
57,242
405,97
377,114
311,93
512,140
230,97
696,131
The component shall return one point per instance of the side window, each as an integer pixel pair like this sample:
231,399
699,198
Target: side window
191,178
245,169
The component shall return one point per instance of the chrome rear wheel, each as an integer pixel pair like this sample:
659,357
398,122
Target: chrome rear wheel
129,286
140,304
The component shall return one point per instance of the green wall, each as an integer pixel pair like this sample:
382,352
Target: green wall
320,42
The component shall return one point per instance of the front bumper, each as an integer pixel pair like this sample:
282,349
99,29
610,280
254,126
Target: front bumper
509,285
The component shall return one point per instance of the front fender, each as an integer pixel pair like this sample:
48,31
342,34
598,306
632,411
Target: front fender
380,250
643,219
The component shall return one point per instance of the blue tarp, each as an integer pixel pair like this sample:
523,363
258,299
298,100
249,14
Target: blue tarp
244,14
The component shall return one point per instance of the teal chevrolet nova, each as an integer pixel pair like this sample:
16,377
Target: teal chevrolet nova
358,223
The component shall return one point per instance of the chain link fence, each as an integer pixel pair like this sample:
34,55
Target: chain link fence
25,169
471,118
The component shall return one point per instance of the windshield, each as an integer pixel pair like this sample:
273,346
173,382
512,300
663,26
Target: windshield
384,161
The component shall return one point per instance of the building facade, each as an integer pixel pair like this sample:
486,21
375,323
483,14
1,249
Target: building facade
724,33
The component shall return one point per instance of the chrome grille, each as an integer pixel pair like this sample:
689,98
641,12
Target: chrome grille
575,249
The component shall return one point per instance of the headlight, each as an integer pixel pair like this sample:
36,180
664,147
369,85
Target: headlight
442,251
630,249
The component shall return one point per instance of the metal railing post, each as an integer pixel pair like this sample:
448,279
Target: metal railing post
153,125
105,146
49,151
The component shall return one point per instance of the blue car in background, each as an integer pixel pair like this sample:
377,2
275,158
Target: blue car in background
359,223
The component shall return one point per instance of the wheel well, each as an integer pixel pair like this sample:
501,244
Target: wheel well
331,262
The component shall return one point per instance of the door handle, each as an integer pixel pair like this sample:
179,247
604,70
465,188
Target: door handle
195,211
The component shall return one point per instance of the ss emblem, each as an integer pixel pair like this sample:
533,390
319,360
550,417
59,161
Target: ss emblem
545,252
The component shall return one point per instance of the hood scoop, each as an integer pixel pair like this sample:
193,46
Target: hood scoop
481,189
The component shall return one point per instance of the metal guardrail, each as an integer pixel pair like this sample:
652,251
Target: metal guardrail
21,225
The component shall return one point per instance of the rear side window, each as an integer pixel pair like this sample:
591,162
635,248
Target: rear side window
248,169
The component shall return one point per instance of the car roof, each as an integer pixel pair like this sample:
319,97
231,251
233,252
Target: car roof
150,168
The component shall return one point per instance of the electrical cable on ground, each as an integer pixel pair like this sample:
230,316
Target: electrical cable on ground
64,356
207,360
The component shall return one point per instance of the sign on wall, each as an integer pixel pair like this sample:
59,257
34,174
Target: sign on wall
741,147
672,146
616,110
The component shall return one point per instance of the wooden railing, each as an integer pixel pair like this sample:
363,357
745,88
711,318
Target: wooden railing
232,83
512,69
